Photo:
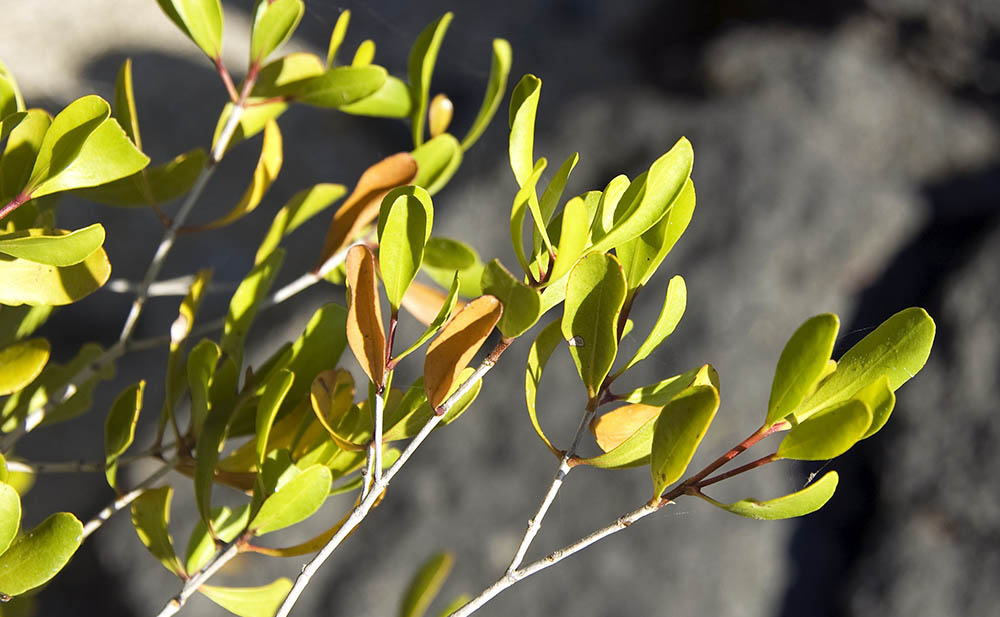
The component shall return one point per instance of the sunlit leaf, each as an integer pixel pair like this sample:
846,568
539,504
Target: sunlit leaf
522,304
40,554
364,54
670,315
201,546
274,21
123,105
439,114
392,100
880,399
414,411
250,601
525,200
801,364
22,362
211,439
595,293
523,106
660,393
362,206
641,256
495,88
27,282
300,208
10,95
150,518
426,302
437,159
541,350
119,427
245,302
332,396
828,434
53,247
267,409
153,185
336,87
277,74
679,430
425,585
404,226
296,501
898,349
420,68
24,132
19,322
268,166
806,501
456,345
614,427
611,198
200,20
337,36
10,512
365,331
573,237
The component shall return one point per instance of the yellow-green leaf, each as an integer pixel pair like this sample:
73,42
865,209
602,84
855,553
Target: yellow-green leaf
670,315
150,518
201,546
801,365
22,362
541,350
300,208
496,85
679,430
245,302
827,434
336,87
573,237
153,185
614,427
119,427
35,557
27,282
898,349
273,24
268,166
880,400
522,303
406,419
274,394
53,247
661,392
250,601
642,256
420,68
425,585
337,36
25,132
595,293
523,106
425,303
10,95
525,199
445,308
364,54
391,100
10,513
404,226
806,501
437,161
296,501
456,345
365,332
200,20
123,107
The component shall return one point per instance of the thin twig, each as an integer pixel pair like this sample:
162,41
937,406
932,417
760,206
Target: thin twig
377,438
535,524
191,586
178,286
125,500
361,510
511,578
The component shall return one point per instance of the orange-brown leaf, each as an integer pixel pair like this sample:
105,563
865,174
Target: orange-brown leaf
362,206
614,427
424,302
457,343
365,332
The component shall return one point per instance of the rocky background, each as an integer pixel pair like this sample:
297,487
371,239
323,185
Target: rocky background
846,160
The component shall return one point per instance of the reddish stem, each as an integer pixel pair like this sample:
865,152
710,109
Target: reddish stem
14,204
734,452
764,460
227,79
393,320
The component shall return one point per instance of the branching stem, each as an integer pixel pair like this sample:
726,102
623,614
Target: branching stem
125,500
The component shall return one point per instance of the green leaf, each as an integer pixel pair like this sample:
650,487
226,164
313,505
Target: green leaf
443,315
296,501
211,439
27,282
679,430
880,400
611,198
253,120
300,208
573,237
664,182
119,427
595,293
437,161
82,148
495,88
364,54
806,501
275,390
201,546
524,200
642,256
404,226
200,366
264,175
523,107
801,364
554,190
153,185
420,68
200,20
40,554
245,302
276,75
25,132
10,95
828,434
670,315
406,419
898,349
449,255
250,601
522,304
541,350
337,36
58,248
22,362
10,513
150,518
336,87
392,100
318,347
662,392
273,24
426,584
123,109
18,322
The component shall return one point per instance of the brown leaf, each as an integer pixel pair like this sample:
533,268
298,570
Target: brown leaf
424,302
457,343
614,427
331,395
365,332
362,207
